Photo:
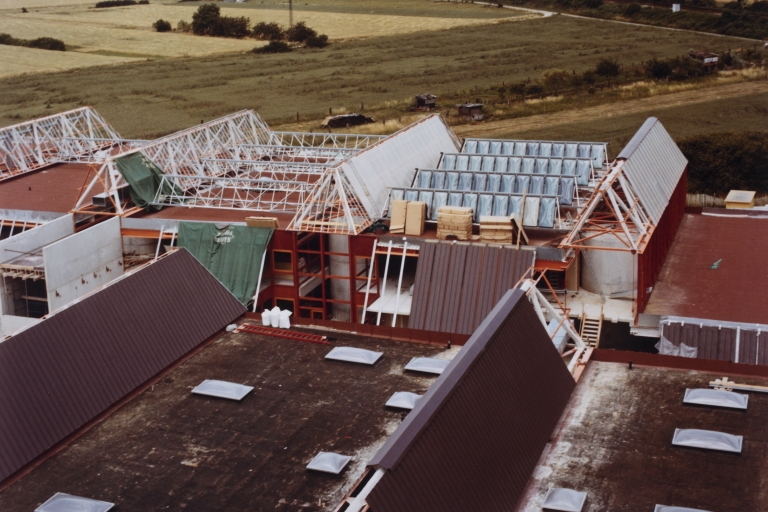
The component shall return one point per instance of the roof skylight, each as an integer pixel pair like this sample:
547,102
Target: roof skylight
403,400
427,365
354,355
707,439
568,500
328,462
222,389
62,502
670,508
716,398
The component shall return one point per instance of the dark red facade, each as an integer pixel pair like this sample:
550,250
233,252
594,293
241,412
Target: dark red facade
650,262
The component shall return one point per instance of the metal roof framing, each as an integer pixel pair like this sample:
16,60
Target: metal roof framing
61,137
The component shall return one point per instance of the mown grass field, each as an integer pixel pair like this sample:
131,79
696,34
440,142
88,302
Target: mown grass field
148,99
126,31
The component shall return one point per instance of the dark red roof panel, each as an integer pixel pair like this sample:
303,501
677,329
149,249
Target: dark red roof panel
61,373
474,439
734,291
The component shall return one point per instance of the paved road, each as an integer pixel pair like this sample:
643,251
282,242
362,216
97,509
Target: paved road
506,126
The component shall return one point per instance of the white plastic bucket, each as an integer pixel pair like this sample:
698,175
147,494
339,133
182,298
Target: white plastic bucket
285,322
275,318
266,318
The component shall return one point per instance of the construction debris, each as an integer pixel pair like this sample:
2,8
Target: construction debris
454,222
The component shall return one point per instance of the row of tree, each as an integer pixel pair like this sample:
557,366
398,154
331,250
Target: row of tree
208,21
41,43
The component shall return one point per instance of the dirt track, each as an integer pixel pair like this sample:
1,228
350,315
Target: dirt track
507,126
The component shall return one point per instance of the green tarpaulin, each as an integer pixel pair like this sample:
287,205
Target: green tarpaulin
232,253
144,178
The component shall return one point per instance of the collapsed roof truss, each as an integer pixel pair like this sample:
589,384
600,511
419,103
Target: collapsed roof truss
613,212
34,144
326,140
182,153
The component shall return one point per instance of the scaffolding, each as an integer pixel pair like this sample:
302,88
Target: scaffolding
79,133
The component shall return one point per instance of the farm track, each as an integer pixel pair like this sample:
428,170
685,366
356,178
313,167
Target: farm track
505,127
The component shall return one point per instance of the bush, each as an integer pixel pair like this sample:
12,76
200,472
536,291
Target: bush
320,41
208,21
41,43
657,69
299,33
758,6
719,162
608,68
268,31
47,43
162,26
633,9
534,90
184,26
205,18
273,47
593,4
115,3
556,79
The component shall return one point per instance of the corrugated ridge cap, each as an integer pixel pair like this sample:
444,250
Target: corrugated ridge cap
638,138
398,444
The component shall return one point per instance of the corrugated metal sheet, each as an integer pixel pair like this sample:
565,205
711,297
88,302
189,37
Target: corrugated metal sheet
424,267
457,284
393,161
61,373
653,164
474,439
726,341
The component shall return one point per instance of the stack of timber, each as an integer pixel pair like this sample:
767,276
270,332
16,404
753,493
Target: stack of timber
397,216
454,222
415,215
262,222
496,229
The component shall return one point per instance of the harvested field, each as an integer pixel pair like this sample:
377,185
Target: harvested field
126,31
16,60
742,106
148,99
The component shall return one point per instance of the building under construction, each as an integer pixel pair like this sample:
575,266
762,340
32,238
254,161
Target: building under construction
415,236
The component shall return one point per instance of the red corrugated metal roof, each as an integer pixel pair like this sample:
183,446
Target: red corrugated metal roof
66,370
475,437
734,291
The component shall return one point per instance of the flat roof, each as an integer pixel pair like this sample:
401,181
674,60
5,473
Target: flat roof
614,442
168,449
51,189
735,290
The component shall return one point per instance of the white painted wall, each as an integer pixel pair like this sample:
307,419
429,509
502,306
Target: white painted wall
36,237
83,262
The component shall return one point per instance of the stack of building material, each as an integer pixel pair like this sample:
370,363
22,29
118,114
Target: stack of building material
496,229
454,221
415,215
397,216
262,222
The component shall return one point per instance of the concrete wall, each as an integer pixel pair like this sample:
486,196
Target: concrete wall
26,241
36,237
607,272
83,262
